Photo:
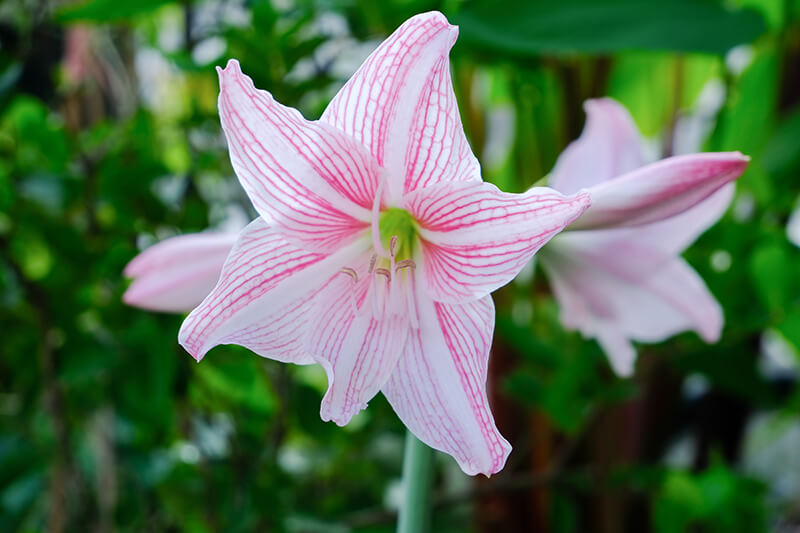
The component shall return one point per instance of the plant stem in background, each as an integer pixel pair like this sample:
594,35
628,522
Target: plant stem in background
417,479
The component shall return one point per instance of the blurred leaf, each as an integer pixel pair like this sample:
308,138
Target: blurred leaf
534,27
238,378
789,327
717,500
782,152
769,266
107,10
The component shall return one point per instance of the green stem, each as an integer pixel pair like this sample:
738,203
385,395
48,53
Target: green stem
417,479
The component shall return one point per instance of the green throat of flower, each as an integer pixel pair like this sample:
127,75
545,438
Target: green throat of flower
396,222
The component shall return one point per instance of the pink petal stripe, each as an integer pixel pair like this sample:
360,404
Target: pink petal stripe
660,190
357,340
608,147
438,388
377,106
264,278
312,182
176,274
476,238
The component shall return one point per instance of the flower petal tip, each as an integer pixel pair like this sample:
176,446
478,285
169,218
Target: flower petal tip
197,351
581,201
231,72
488,468
438,19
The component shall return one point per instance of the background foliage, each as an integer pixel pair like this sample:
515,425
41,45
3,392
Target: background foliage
109,141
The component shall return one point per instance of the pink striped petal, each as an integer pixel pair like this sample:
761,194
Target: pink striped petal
635,252
176,274
438,388
261,299
660,190
608,146
357,340
400,105
476,238
601,299
314,184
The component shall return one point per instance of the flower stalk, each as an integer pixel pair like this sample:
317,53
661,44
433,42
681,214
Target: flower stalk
415,512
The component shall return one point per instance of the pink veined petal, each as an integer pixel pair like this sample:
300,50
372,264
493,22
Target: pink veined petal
261,299
176,274
438,149
676,233
357,339
602,304
476,238
400,105
313,183
608,146
438,388
660,190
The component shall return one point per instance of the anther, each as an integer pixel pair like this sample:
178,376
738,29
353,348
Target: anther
384,272
392,245
350,272
405,263
372,261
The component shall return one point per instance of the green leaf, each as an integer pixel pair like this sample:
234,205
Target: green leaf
769,266
239,379
107,10
520,27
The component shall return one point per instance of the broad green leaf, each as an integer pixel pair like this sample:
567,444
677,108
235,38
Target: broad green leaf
525,28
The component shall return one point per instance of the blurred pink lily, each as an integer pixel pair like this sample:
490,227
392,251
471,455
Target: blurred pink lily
620,277
175,275
378,244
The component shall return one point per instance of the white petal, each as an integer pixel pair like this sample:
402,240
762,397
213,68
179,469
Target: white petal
357,338
314,184
608,146
438,388
476,238
176,274
660,190
400,105
261,299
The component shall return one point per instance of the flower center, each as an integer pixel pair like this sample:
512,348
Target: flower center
399,223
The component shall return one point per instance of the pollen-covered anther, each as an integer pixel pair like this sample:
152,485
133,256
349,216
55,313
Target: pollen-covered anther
392,245
405,263
372,261
384,272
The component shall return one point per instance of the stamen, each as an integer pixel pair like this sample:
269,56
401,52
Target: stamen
372,261
384,272
405,263
392,245
350,272
354,276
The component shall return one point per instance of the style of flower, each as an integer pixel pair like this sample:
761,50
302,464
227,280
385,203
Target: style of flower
176,274
377,244
619,276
